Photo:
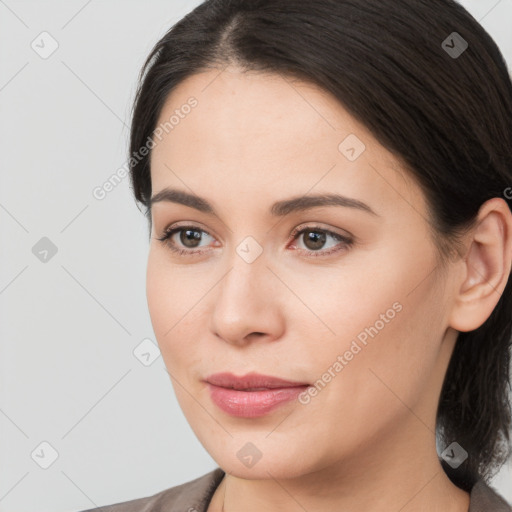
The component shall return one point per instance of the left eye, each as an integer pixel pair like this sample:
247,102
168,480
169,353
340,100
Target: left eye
314,240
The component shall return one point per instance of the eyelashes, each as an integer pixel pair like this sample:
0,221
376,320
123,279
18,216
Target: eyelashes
343,242
315,234
166,239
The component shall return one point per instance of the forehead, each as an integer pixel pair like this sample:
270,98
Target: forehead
260,130
244,110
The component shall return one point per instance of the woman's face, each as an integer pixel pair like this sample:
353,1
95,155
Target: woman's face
361,318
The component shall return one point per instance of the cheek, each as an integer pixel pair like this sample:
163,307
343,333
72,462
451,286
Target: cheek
171,290
166,298
160,289
173,295
388,332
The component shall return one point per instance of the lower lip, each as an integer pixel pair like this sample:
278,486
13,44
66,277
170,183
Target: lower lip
252,404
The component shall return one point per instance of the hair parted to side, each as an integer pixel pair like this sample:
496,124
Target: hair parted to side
449,120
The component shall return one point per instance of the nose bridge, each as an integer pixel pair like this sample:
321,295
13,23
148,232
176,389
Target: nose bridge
246,300
247,279
247,262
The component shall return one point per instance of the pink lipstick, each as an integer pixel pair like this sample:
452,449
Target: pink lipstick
252,395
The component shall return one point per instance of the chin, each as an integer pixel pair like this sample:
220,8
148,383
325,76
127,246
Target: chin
278,465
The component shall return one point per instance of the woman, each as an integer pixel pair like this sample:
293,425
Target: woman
328,190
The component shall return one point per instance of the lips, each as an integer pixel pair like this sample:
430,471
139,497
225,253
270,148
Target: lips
251,382
252,395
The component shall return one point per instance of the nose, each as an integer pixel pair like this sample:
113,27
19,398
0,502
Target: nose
247,304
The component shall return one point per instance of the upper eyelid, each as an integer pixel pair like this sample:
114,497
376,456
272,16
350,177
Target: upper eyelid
300,227
305,226
176,228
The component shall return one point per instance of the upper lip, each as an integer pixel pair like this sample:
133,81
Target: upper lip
250,381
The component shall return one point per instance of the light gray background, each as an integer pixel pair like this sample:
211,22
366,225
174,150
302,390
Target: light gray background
68,375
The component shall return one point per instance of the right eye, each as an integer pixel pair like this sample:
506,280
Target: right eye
189,238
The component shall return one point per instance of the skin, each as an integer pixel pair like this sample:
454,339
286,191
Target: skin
366,440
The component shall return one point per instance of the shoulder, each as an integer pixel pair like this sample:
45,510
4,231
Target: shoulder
192,496
195,495
484,498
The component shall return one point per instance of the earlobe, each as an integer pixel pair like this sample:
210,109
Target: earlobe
486,267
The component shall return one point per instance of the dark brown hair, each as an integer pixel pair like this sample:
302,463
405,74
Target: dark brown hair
448,117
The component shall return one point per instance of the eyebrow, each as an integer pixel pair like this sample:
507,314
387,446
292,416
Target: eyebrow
278,209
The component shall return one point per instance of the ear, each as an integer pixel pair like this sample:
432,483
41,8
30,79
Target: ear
486,267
